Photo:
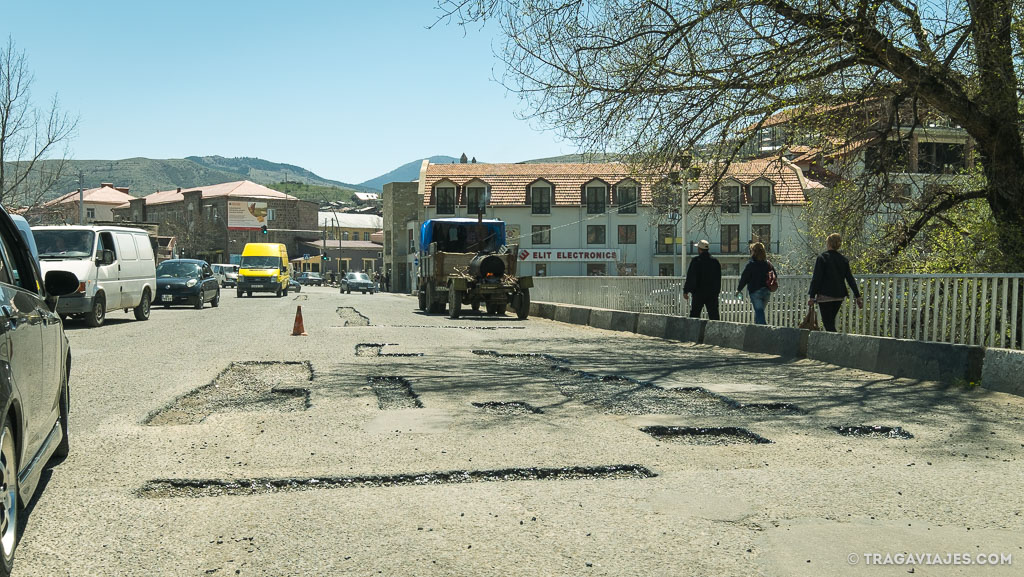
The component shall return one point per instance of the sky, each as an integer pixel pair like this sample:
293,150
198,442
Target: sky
349,90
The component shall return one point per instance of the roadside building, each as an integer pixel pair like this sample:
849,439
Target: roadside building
600,219
99,205
215,222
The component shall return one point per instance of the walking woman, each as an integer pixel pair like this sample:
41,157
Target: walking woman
828,284
755,277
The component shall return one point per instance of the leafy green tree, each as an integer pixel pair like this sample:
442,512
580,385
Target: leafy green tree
29,136
650,78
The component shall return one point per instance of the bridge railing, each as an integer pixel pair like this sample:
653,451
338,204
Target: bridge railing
974,309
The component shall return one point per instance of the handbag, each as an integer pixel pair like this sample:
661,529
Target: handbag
810,321
772,280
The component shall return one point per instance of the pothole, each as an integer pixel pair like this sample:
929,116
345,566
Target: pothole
242,387
705,435
520,359
873,431
374,350
352,317
769,408
301,298
508,408
168,488
394,393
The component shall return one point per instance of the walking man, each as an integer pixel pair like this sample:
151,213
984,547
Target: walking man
704,281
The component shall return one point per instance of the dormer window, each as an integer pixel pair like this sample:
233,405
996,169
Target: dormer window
730,198
445,199
760,199
626,195
540,198
596,195
476,199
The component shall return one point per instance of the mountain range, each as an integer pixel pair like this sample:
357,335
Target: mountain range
145,175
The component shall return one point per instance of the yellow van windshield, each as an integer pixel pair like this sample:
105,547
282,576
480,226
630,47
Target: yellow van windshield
260,262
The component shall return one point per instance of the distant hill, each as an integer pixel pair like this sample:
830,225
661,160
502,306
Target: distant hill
406,173
585,158
145,176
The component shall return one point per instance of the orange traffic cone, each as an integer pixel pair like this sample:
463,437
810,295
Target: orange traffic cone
298,330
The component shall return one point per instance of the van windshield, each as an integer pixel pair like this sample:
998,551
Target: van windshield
260,261
63,244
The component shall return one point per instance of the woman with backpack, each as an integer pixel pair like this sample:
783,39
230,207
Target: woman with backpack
758,276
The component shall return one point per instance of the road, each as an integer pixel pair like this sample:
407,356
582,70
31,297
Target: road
302,456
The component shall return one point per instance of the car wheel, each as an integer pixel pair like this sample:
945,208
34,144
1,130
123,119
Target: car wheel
9,486
216,300
142,311
64,447
238,293
200,300
99,311
248,293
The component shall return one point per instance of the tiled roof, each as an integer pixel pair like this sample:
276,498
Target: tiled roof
239,189
783,175
102,195
341,244
508,182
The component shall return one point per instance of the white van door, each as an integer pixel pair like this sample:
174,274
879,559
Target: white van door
128,259
108,276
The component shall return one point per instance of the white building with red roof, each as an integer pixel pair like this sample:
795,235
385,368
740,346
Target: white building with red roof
99,204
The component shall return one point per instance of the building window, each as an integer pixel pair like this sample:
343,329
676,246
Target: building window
540,269
540,197
344,235
595,199
541,234
730,199
271,214
476,199
760,199
90,213
939,157
368,265
627,199
627,234
666,269
666,238
412,241
597,269
366,236
445,196
762,233
595,234
730,238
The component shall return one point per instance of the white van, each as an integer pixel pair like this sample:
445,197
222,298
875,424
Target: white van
115,266
227,274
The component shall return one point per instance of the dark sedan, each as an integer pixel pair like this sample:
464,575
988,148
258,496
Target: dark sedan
311,278
35,364
186,281
358,281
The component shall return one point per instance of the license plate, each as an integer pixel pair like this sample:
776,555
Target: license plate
167,298
259,286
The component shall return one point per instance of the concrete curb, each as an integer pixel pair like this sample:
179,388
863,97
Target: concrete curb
613,320
572,314
996,369
1003,371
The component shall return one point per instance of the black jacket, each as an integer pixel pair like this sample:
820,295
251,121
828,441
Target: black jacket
830,270
704,277
754,275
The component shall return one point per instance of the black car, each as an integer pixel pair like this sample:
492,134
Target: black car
35,363
186,281
358,281
311,278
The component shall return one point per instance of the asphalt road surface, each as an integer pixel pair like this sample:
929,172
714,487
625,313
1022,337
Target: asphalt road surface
390,442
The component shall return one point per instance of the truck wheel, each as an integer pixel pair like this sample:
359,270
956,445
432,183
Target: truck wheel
454,303
475,305
431,304
99,311
422,300
238,293
521,304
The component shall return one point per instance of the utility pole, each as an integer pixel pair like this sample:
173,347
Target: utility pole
81,200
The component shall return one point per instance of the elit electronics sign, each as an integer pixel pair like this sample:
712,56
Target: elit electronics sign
568,254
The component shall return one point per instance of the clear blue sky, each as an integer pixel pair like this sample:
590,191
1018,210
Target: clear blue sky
349,90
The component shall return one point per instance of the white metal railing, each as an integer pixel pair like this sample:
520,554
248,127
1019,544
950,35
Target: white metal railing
973,309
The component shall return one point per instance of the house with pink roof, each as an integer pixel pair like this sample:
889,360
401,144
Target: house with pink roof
99,205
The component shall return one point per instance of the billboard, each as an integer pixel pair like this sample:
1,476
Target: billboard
244,215
568,254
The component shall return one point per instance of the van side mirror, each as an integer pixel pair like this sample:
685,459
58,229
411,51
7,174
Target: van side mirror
106,257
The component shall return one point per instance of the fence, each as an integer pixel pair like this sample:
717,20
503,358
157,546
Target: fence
976,309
